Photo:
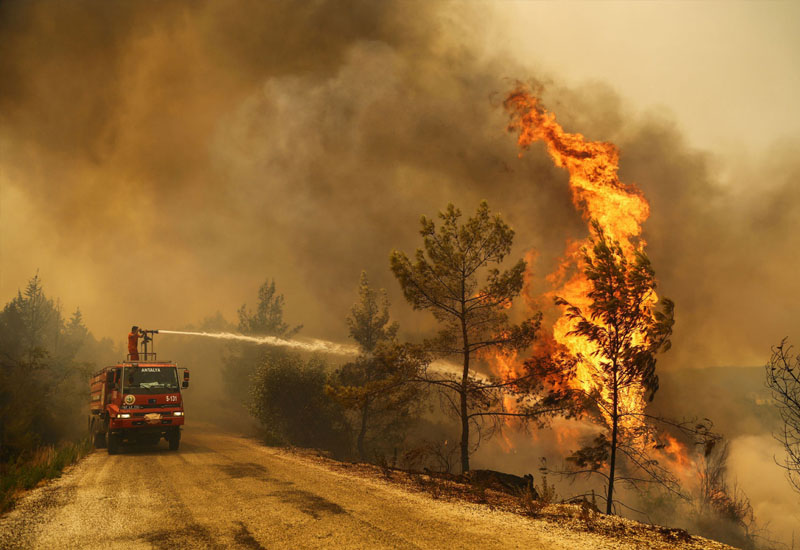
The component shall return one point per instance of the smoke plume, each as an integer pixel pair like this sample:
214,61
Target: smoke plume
161,160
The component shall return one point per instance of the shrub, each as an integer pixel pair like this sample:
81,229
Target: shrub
288,399
45,463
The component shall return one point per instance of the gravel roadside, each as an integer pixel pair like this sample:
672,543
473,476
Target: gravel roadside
224,491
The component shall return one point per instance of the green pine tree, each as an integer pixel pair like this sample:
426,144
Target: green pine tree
456,277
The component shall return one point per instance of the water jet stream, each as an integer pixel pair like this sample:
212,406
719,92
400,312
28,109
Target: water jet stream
312,345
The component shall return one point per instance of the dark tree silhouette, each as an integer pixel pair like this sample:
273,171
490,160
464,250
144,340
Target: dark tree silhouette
377,386
456,277
288,398
243,359
42,377
783,378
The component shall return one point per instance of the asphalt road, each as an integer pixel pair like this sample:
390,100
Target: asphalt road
224,491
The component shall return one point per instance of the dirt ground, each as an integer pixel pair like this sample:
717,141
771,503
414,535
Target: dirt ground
225,491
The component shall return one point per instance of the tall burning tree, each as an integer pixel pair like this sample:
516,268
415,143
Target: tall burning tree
626,332
610,322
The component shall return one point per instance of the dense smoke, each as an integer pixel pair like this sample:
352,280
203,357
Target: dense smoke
161,160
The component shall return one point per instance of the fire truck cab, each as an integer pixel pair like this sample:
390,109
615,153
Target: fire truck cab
138,402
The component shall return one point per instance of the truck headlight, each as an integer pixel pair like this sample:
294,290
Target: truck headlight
178,413
124,415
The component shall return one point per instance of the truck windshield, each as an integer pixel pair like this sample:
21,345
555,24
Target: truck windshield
151,380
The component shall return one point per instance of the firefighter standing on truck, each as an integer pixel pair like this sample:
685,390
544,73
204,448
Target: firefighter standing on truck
133,343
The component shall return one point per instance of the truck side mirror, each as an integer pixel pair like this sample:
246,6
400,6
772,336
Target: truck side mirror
185,379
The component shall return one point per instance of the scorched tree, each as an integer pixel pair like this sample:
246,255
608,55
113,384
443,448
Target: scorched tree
625,330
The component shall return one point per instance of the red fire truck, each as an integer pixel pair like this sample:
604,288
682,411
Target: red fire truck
138,401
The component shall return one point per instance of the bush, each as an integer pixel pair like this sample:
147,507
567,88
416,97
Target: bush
45,366
45,463
288,399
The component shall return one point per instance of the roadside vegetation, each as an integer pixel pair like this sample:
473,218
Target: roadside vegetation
44,463
378,389
45,362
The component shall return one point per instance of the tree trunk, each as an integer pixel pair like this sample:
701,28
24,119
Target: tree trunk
614,428
364,414
464,410
464,431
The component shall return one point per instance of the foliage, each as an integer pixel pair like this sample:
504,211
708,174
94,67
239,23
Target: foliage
377,387
267,319
546,492
543,390
288,398
438,455
45,463
43,372
627,331
456,277
783,378
723,511
243,359
530,504
380,391
369,318
717,509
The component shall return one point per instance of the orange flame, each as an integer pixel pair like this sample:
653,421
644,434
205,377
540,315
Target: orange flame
599,195
620,209
596,190
676,452
506,366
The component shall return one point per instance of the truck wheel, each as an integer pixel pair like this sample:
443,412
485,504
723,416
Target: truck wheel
114,441
100,440
174,440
